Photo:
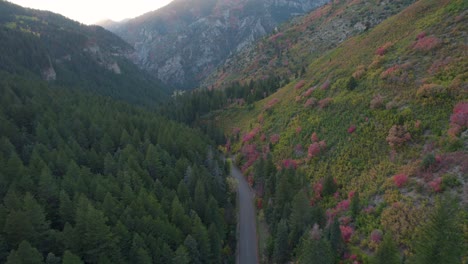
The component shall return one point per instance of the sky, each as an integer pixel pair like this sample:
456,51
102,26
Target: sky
92,11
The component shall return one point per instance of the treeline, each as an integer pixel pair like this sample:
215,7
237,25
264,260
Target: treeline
85,179
190,106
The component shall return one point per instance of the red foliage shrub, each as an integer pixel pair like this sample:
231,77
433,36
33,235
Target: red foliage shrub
310,102
325,102
259,203
426,43
351,129
345,220
271,103
274,138
343,205
314,150
376,236
421,35
325,85
289,163
308,92
276,36
263,137
314,137
318,187
460,114
351,194
323,145
436,184
298,129
346,233
390,72
400,180
383,49
299,85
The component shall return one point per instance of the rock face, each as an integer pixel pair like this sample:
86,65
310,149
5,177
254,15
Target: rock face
185,41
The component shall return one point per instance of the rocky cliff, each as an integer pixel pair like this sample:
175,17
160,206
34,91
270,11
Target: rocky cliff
185,41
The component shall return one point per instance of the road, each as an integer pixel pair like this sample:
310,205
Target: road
247,252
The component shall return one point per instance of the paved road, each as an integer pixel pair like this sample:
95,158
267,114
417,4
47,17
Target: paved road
247,244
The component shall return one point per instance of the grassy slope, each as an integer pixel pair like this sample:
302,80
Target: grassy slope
364,161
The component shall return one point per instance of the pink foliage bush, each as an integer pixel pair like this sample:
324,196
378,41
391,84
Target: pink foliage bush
314,137
426,43
346,233
299,85
318,187
383,49
323,145
400,180
249,136
251,154
325,102
263,137
310,102
376,236
436,184
298,130
390,72
351,129
271,103
274,138
460,114
289,163
276,36
351,194
325,85
314,150
343,205
308,92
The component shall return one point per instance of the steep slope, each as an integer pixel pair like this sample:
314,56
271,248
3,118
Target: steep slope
185,41
383,116
54,48
289,50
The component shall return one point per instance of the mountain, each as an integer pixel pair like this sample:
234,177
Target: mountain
185,41
51,47
370,139
288,51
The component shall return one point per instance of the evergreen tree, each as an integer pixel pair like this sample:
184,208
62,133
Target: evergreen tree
355,205
25,254
280,251
329,186
181,256
387,252
314,249
335,238
70,258
192,247
440,239
300,216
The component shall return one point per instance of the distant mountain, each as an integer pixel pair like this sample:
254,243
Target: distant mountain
49,46
185,41
289,50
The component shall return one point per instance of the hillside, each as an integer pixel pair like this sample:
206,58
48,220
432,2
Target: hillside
382,117
185,41
51,47
288,51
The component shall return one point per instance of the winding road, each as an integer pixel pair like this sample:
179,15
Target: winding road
247,251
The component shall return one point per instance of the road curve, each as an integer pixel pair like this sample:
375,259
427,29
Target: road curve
247,252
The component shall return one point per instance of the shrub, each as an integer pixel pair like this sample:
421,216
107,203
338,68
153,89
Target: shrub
400,180
314,137
383,49
325,102
325,85
310,102
351,129
376,236
436,185
450,181
426,43
460,114
274,138
314,150
376,102
397,136
289,163
299,85
430,90
271,103
428,161
308,92
346,233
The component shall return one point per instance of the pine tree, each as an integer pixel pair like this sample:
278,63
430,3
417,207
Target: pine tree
335,238
355,205
25,254
314,249
70,258
192,247
440,239
329,186
300,216
280,251
387,252
181,256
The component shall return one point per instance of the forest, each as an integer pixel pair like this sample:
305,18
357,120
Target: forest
87,179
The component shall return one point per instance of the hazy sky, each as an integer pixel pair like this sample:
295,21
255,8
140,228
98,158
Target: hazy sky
91,11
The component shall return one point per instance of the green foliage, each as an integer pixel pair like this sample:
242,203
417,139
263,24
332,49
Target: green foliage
25,254
440,239
100,181
387,252
281,250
